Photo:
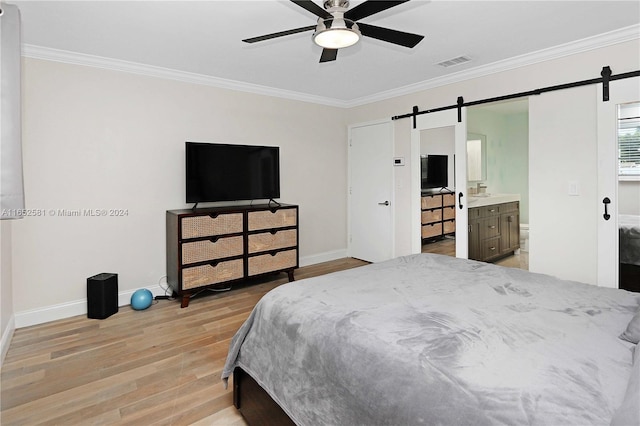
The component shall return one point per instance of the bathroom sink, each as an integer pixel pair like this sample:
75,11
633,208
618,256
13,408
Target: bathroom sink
483,195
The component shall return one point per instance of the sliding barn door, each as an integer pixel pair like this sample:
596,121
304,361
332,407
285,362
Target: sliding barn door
621,94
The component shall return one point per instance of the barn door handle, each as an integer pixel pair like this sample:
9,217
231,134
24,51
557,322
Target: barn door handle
386,203
606,214
460,195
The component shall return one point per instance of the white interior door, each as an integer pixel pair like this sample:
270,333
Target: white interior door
620,92
448,118
371,192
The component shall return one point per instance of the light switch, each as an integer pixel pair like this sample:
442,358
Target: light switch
574,188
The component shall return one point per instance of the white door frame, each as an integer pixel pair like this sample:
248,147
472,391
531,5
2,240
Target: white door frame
620,91
434,120
390,178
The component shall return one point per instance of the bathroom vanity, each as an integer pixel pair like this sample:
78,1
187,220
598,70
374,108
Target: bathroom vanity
494,226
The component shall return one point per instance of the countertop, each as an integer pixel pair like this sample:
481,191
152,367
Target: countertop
481,200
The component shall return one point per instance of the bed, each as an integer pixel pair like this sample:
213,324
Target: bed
629,244
431,339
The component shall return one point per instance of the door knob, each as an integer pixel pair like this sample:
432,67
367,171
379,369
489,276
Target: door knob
386,203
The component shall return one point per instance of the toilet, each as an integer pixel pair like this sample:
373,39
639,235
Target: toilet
524,237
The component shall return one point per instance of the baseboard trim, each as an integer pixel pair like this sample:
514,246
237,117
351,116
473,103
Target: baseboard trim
71,309
79,307
323,257
7,335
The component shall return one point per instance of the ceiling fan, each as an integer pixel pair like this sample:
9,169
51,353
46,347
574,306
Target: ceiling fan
337,27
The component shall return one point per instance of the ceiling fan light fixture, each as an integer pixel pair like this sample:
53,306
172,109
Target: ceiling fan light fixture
336,33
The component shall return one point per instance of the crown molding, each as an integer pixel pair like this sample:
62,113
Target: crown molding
68,57
607,39
595,42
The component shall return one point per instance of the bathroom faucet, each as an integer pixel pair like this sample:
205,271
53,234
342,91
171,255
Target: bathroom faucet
481,188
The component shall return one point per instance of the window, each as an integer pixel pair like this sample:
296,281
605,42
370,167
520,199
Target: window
629,141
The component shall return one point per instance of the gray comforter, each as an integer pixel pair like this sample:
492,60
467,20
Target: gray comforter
435,340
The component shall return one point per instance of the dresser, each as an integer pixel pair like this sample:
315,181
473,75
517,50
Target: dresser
494,231
215,247
437,215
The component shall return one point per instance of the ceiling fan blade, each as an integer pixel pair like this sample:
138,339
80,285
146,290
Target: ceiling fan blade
369,8
328,55
313,8
389,35
279,34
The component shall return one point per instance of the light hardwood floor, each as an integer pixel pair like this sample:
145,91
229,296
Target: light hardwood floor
159,366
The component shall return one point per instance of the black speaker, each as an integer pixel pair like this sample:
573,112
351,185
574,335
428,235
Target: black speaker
102,295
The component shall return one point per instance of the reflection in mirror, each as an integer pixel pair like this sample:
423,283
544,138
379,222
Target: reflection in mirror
476,157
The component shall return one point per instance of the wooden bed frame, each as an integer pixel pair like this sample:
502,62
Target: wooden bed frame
254,403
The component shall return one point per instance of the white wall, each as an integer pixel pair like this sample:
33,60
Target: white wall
578,260
563,149
629,197
99,139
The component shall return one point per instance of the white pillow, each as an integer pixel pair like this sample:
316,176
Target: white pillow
632,333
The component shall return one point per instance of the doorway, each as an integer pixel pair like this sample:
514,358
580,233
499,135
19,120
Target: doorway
498,168
439,210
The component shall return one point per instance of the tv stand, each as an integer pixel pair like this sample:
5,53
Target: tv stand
210,247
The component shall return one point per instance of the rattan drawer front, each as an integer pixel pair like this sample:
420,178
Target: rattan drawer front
267,241
267,262
201,251
265,219
434,230
449,213
431,202
448,227
448,200
206,226
198,276
429,216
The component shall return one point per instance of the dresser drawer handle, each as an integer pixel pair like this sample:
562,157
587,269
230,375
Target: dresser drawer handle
214,239
213,215
492,248
273,231
214,263
492,210
492,227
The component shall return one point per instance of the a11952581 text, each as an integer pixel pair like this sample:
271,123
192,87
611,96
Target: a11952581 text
64,212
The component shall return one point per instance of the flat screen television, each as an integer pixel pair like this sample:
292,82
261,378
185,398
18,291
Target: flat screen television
434,171
224,172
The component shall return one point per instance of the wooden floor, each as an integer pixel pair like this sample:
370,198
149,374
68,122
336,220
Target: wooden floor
159,366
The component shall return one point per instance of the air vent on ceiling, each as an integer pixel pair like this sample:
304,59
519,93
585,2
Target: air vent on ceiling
455,61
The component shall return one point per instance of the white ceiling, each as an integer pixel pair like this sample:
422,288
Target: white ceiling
204,38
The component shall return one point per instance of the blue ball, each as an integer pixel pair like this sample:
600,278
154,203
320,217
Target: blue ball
141,299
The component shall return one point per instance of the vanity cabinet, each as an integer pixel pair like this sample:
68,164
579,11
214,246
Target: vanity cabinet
494,231
438,215
222,245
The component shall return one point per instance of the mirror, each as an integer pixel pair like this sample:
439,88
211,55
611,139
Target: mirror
476,157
